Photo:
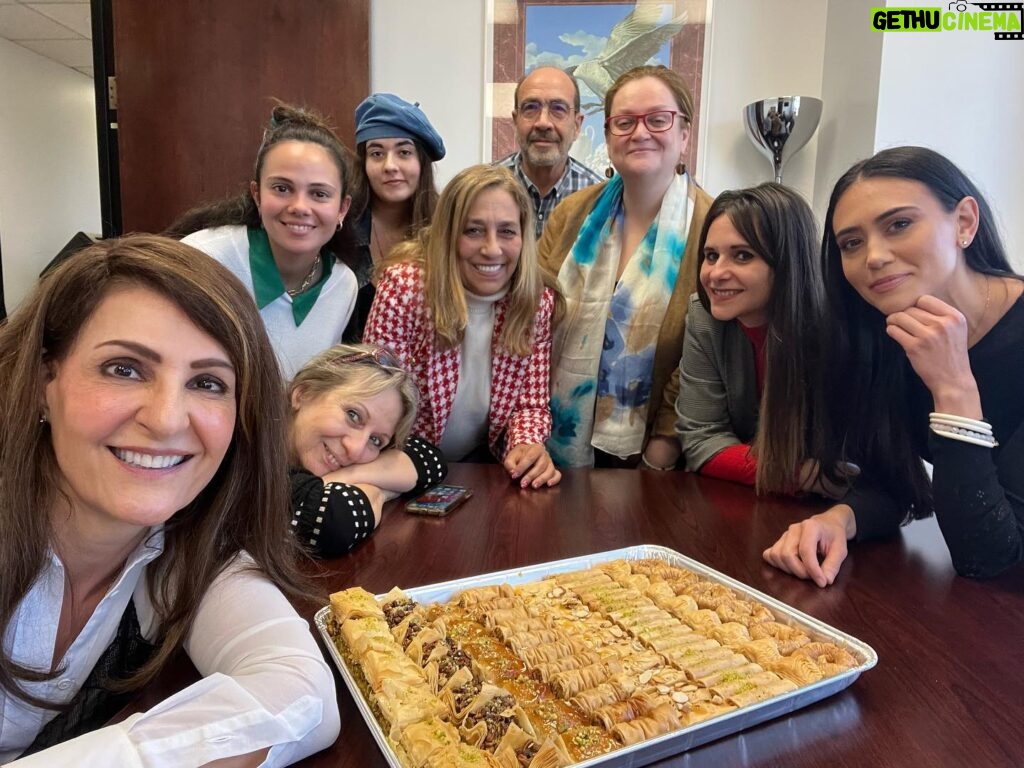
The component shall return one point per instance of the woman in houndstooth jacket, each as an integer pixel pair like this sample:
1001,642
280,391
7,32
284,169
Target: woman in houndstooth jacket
466,308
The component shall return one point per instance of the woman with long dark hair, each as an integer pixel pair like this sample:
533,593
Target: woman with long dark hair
926,358
142,513
747,402
396,148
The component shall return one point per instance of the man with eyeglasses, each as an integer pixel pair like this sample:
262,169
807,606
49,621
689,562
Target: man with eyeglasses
548,119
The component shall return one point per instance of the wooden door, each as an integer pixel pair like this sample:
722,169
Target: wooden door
196,80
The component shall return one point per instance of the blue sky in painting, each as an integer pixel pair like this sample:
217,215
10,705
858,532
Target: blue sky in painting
563,35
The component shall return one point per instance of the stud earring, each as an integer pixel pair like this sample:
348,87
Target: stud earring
963,243
42,418
609,172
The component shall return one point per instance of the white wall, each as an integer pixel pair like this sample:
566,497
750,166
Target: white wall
433,52
48,157
850,75
961,93
759,49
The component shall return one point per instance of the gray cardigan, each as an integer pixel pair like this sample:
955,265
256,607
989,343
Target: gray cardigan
717,404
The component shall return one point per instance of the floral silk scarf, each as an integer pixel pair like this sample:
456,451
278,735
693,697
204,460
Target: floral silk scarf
603,356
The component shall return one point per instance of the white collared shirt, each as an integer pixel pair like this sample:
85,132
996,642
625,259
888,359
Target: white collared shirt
264,683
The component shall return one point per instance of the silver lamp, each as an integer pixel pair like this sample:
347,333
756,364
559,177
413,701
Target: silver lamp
780,127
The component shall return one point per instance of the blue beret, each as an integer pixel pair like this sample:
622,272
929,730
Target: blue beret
385,116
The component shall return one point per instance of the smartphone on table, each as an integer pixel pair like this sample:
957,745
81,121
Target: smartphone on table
439,500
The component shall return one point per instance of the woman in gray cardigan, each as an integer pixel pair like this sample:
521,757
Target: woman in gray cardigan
747,395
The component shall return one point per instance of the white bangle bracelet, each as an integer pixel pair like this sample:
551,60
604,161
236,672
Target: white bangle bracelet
646,463
966,436
952,420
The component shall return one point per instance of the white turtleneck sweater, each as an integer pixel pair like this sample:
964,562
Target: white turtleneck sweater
467,425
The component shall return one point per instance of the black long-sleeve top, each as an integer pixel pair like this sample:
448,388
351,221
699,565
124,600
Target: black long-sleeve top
978,492
331,518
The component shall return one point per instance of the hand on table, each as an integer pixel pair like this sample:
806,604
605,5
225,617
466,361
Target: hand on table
823,535
934,336
661,453
531,464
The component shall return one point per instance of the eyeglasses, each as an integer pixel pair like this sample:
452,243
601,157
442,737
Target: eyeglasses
655,122
557,110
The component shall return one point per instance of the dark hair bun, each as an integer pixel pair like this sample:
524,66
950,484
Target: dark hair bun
286,114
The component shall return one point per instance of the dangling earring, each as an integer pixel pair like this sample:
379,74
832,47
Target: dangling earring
680,168
609,172
340,222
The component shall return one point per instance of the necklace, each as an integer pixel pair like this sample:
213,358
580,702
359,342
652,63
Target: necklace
307,280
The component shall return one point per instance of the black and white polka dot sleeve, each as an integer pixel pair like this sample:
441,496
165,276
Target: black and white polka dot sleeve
328,519
431,468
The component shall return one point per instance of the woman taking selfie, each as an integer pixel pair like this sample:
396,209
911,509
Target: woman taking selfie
396,147
625,255
140,513
747,398
927,343
283,238
465,308
352,408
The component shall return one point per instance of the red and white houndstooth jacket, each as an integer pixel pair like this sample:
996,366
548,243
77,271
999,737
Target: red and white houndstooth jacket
520,393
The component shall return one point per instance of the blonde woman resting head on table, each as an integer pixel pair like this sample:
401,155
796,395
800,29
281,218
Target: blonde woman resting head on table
141,498
924,361
466,309
286,237
625,255
748,394
352,409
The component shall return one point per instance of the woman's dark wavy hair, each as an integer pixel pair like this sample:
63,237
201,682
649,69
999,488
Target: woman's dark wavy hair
421,204
287,123
779,226
244,506
868,379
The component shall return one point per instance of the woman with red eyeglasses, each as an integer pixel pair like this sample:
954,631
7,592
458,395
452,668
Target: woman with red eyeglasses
352,410
625,253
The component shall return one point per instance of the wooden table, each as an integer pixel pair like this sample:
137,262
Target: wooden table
949,686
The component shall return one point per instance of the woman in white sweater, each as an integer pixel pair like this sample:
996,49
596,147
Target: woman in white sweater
282,238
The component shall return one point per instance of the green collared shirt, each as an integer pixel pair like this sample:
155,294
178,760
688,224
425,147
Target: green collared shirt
266,280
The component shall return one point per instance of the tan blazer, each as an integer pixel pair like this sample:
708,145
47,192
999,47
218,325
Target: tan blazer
559,236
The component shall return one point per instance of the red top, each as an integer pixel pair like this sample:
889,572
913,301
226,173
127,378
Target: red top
736,463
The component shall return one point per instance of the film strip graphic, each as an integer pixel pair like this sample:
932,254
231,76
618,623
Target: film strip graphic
1013,7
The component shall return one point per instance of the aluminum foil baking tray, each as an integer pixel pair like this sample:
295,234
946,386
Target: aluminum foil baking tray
674,743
